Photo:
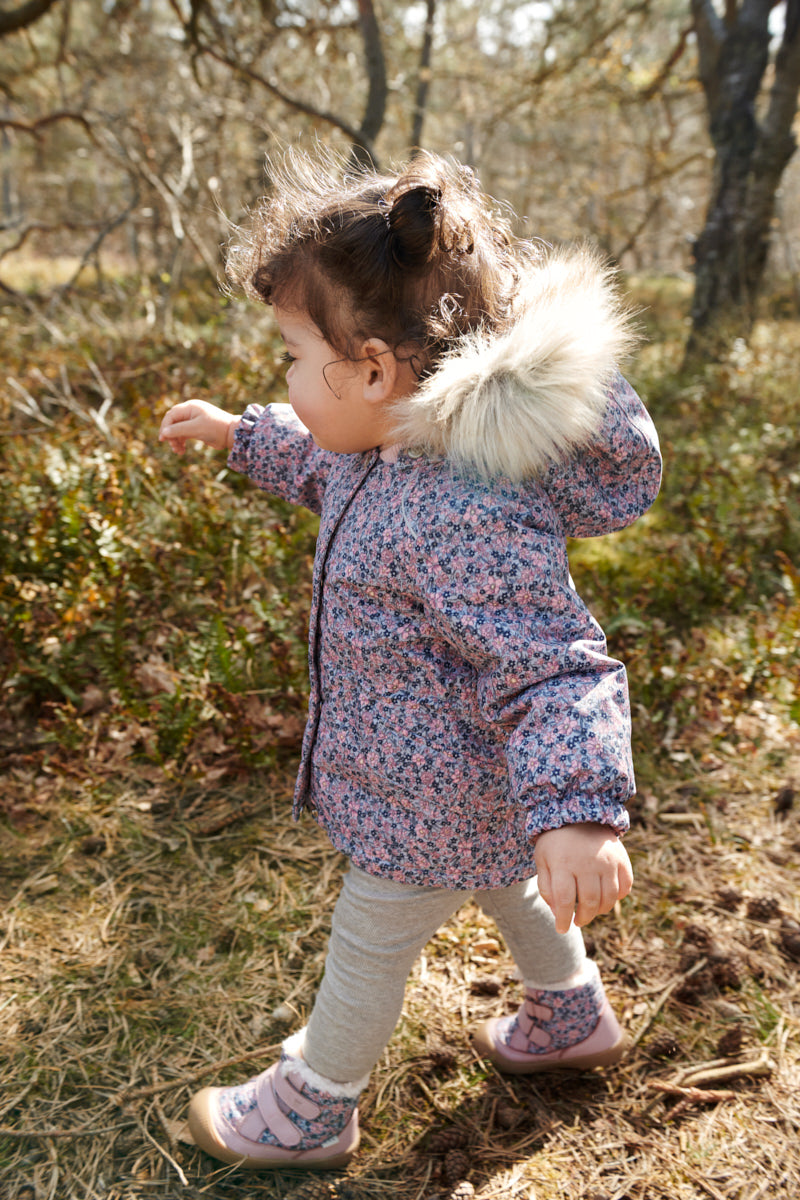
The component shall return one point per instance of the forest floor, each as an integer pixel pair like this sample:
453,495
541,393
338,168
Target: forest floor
163,919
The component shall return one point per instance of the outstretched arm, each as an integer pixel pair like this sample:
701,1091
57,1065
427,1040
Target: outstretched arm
197,420
583,870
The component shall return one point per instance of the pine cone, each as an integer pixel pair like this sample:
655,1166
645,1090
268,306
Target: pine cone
506,1116
729,899
664,1046
440,1054
763,908
447,1139
731,1042
457,1165
790,939
697,936
695,987
490,986
729,971
463,1191
783,800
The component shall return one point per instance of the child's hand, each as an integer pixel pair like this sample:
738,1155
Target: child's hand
197,420
583,869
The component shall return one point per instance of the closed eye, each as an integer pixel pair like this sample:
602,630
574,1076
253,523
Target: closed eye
287,358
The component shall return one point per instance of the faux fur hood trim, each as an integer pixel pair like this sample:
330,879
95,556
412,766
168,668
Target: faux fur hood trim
513,403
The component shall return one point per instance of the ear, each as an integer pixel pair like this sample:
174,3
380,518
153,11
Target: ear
378,369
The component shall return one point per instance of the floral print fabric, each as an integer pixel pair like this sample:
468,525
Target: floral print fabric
461,697
554,1020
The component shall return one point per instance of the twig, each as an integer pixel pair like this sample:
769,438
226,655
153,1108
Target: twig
165,1153
30,405
80,1131
437,1104
689,1096
691,1093
685,1083
127,1094
757,1068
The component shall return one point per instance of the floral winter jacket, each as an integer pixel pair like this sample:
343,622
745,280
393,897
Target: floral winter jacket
461,697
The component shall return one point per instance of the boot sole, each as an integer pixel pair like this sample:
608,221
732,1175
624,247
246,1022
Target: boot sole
482,1040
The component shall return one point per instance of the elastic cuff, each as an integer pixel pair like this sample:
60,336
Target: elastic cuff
295,1064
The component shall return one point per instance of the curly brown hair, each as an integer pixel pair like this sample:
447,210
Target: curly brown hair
418,256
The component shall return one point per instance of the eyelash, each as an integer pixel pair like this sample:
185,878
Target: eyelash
287,358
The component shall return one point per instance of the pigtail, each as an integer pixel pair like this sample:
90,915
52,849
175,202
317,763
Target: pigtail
428,213
413,220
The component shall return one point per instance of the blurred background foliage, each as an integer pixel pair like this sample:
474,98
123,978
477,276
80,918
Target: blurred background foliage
153,609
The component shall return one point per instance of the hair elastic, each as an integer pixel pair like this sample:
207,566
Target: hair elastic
385,211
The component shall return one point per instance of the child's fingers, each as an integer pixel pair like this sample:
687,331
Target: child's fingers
171,421
180,427
559,891
179,414
590,901
625,877
599,898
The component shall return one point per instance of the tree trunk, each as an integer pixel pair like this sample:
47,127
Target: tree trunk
378,88
751,156
423,78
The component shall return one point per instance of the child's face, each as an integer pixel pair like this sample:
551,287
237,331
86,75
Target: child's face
333,398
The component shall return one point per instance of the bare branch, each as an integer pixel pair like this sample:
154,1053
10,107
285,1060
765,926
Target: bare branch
43,227
666,68
549,67
95,244
24,16
34,127
302,106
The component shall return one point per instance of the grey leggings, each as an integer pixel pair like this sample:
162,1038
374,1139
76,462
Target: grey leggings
379,927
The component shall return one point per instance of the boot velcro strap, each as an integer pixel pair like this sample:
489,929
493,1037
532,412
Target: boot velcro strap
269,1115
287,1088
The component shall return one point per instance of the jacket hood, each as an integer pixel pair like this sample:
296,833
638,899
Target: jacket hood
515,403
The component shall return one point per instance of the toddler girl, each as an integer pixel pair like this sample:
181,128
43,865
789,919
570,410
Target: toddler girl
455,413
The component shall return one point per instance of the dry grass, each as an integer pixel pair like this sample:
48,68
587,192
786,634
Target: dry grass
140,958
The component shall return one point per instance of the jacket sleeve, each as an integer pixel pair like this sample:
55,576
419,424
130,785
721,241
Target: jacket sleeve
275,450
613,479
499,593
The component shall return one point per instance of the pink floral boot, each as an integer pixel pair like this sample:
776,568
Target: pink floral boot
555,1029
288,1116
